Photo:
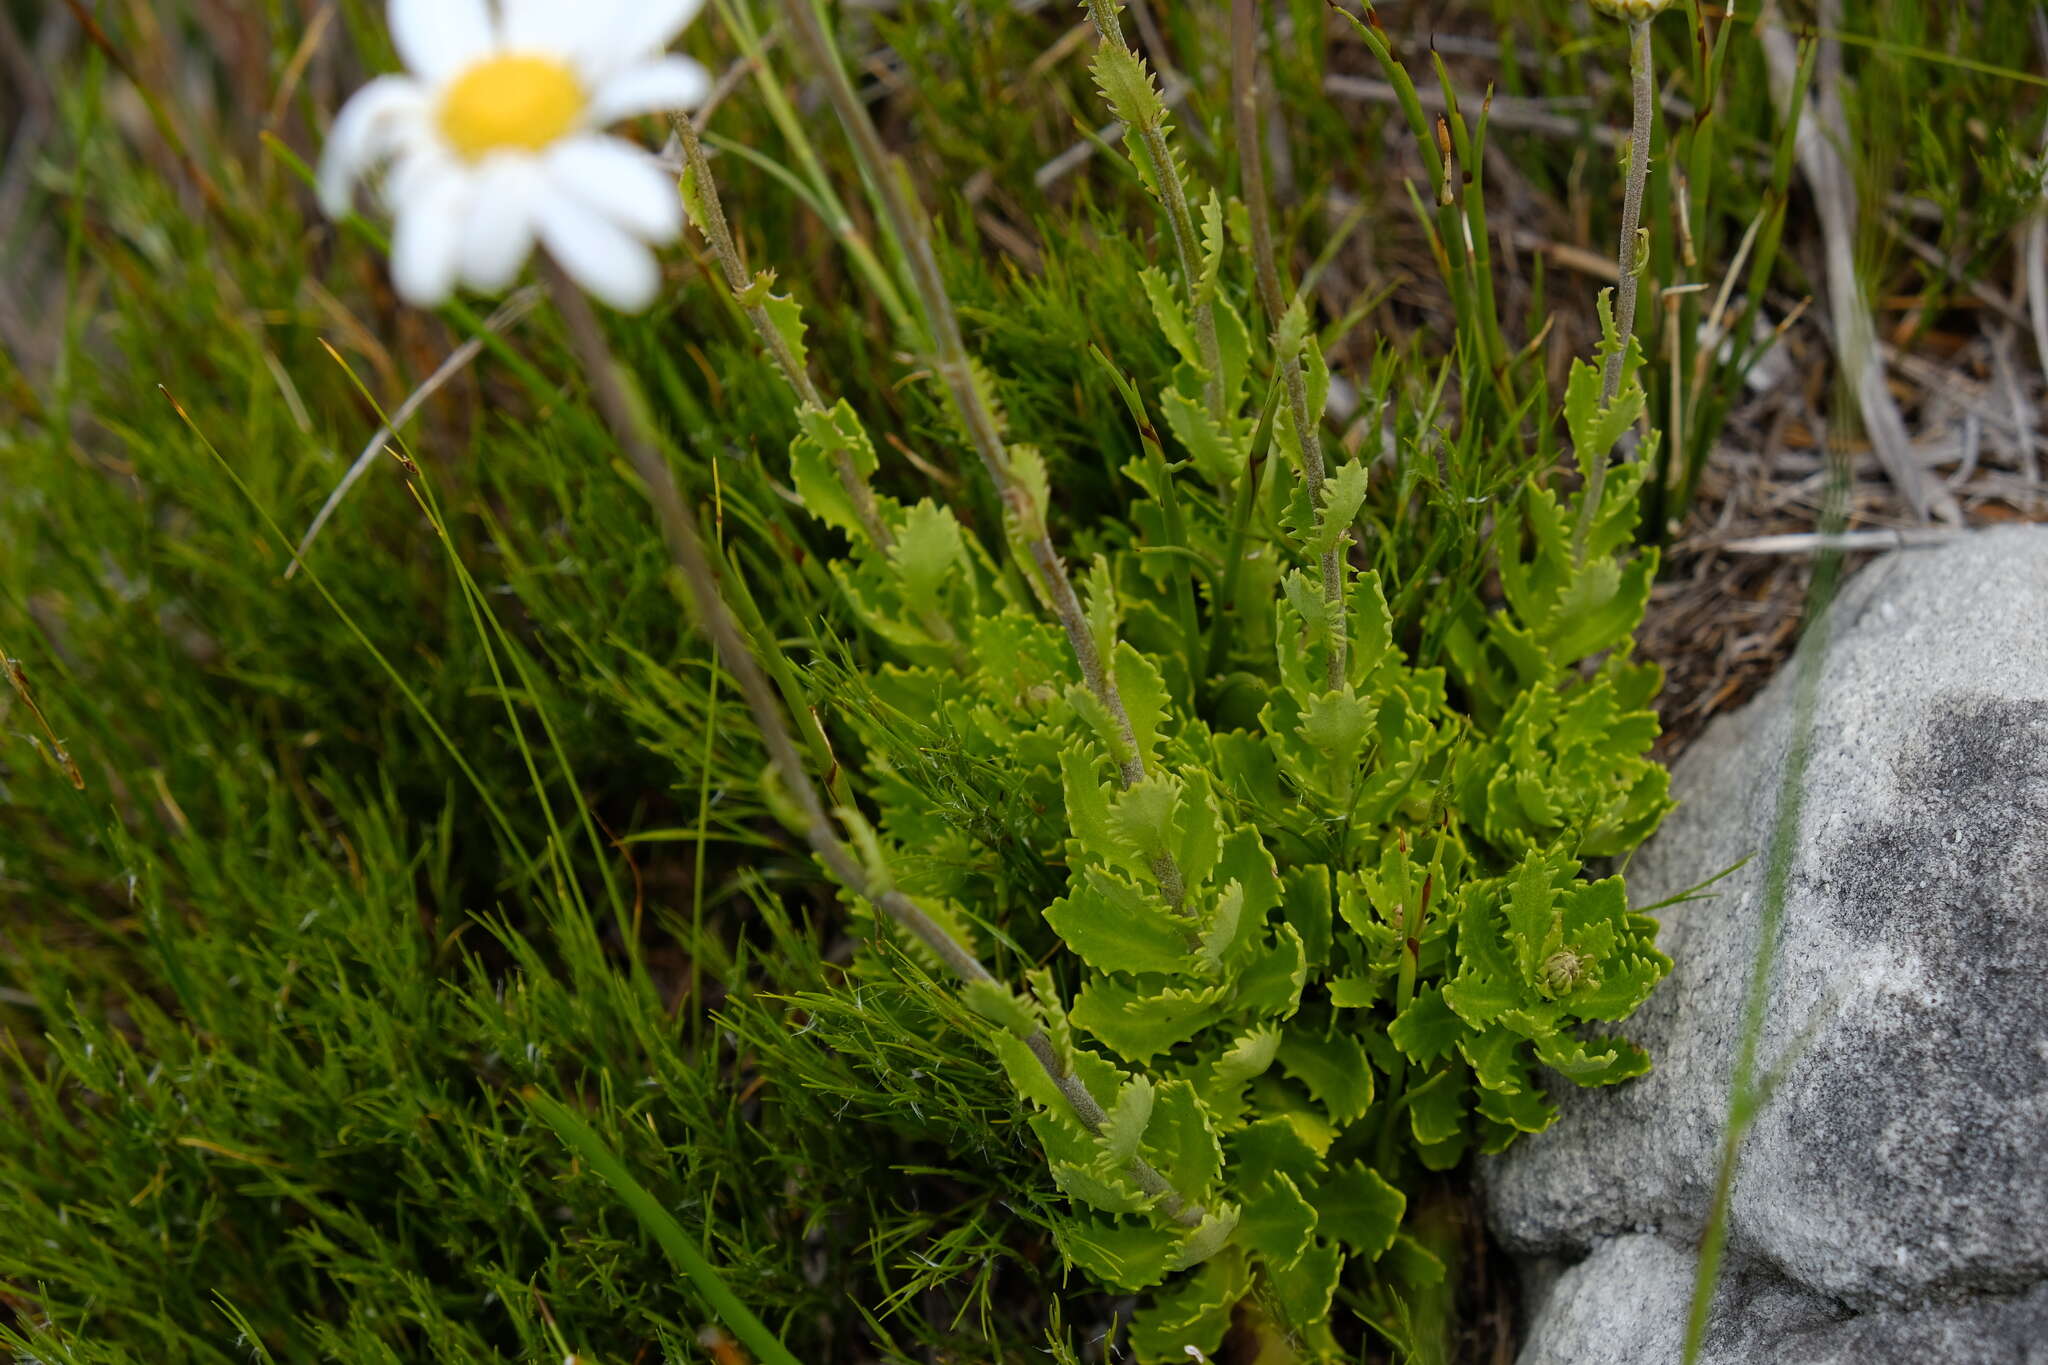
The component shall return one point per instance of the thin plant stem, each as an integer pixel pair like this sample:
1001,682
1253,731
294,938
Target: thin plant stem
951,362
1180,220
794,372
776,101
1273,297
1628,257
610,389
798,376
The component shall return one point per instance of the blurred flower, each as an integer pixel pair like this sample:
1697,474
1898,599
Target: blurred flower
495,143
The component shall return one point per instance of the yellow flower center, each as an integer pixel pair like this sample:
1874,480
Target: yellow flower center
510,103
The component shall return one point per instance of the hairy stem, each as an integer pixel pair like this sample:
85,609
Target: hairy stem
775,99
1244,60
719,234
1628,257
609,387
1180,220
906,221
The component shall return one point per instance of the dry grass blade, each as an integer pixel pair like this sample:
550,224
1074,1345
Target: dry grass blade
56,752
509,312
1817,542
1546,116
1822,134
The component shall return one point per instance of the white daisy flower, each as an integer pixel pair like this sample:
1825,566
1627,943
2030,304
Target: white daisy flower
495,142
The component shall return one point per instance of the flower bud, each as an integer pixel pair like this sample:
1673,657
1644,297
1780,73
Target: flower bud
1566,970
1634,10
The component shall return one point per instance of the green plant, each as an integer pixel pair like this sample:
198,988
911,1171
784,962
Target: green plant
1324,913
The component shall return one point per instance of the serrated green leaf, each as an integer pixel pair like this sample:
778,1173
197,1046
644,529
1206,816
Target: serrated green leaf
839,429
1355,992
1220,927
1220,1083
1271,985
1355,1205
1333,1067
1244,860
1171,315
1414,1264
1205,1241
1099,604
1124,81
1125,1254
1106,1191
1527,1111
1304,1289
999,1005
929,552
786,316
1193,1314
1052,1012
1495,1056
1197,829
1625,981
1307,908
1114,926
1277,1223
1572,1058
814,465
1138,1025
1274,1146
1436,1109
693,197
1144,696
1337,725
1218,453
1026,1073
1535,925
1343,494
1123,1125
1089,820
1213,241
1182,1143
1024,515
1143,813
1427,1029
1292,333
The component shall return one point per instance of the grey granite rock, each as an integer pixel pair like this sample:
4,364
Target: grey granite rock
1900,1176
1626,1303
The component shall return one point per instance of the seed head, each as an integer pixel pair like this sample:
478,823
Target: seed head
1633,10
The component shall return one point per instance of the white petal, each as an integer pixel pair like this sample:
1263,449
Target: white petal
601,257
426,243
422,167
436,38
559,27
664,85
497,233
619,181
369,128
648,26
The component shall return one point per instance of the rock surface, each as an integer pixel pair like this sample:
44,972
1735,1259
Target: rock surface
1893,1199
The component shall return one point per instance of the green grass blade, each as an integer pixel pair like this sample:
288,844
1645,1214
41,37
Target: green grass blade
662,1225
